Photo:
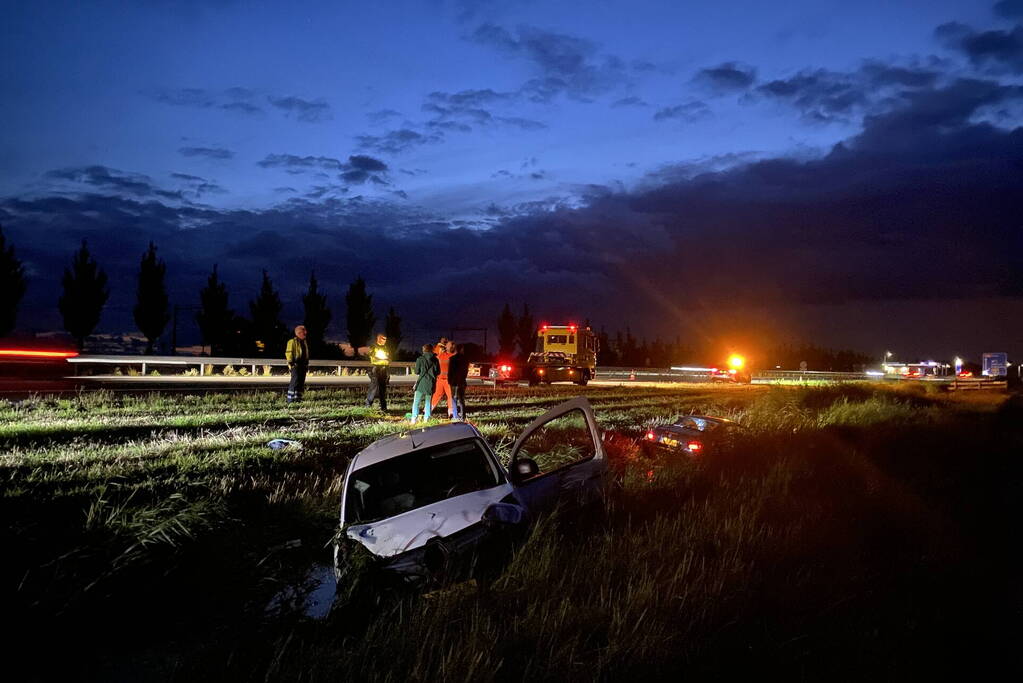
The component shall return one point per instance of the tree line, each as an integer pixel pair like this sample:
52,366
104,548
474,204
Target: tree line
261,333
85,291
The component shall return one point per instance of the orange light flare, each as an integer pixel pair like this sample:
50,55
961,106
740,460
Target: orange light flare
34,353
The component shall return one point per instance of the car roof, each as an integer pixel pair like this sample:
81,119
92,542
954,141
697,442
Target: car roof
406,442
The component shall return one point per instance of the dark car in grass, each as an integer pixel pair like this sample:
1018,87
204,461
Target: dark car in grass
692,435
431,505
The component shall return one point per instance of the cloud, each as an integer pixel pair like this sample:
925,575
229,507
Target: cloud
564,64
1010,9
359,168
382,115
310,111
727,77
238,100
691,112
208,152
292,161
397,141
105,178
997,49
823,95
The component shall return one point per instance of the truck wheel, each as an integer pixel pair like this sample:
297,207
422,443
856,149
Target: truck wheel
584,377
533,381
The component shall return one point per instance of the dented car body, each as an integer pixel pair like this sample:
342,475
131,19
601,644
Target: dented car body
435,502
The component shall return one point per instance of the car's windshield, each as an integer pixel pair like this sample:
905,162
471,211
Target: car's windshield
419,478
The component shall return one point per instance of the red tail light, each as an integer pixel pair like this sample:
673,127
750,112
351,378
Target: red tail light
694,446
32,353
650,436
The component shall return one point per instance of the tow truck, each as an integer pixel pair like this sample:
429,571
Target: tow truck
563,353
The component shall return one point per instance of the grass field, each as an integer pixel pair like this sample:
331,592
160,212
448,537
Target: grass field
857,531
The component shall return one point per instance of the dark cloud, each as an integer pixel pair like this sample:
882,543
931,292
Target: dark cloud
565,64
359,168
688,113
1001,50
310,111
208,152
292,161
196,186
727,77
822,95
105,178
397,141
1010,9
460,111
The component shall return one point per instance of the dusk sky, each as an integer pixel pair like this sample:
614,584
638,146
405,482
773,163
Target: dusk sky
847,174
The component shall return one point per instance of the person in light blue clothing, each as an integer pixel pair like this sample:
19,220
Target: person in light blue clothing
427,369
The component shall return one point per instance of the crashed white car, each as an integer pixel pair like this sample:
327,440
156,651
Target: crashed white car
425,502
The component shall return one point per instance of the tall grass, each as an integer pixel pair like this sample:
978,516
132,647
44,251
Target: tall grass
835,524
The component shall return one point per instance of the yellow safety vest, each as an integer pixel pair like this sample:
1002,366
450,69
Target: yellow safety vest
378,356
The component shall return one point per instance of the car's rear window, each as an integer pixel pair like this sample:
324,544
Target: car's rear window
419,478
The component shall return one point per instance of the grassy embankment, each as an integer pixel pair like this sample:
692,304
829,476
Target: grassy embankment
856,531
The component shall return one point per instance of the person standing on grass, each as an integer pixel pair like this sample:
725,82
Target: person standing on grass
458,377
297,355
379,373
427,369
443,388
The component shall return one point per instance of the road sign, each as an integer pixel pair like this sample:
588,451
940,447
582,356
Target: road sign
995,364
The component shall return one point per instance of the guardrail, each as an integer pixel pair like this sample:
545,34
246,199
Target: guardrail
208,365
978,385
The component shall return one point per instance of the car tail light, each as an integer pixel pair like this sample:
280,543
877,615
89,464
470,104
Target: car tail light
540,371
650,436
506,368
694,446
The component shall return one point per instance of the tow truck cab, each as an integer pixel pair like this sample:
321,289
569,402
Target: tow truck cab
563,353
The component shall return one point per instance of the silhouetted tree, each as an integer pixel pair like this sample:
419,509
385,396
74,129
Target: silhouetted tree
12,286
317,316
267,327
507,331
606,354
85,294
392,328
526,332
215,318
359,313
151,307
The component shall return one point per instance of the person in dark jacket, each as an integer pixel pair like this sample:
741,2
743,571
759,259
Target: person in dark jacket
458,375
297,355
427,368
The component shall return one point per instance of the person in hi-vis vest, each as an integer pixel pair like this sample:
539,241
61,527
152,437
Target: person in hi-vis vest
297,355
379,374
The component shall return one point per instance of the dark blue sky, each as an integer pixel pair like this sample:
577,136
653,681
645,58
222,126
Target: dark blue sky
826,171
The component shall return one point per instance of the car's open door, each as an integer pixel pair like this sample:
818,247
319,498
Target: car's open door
559,458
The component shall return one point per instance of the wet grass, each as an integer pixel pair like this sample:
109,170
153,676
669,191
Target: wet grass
854,531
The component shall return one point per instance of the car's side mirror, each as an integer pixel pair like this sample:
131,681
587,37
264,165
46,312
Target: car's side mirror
524,468
502,514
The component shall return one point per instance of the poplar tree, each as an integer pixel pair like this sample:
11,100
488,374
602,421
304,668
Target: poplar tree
12,286
317,315
359,313
151,305
85,294
214,317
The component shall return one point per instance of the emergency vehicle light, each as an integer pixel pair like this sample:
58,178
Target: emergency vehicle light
694,445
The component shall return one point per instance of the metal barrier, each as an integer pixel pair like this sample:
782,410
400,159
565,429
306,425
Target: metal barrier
978,385
202,363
